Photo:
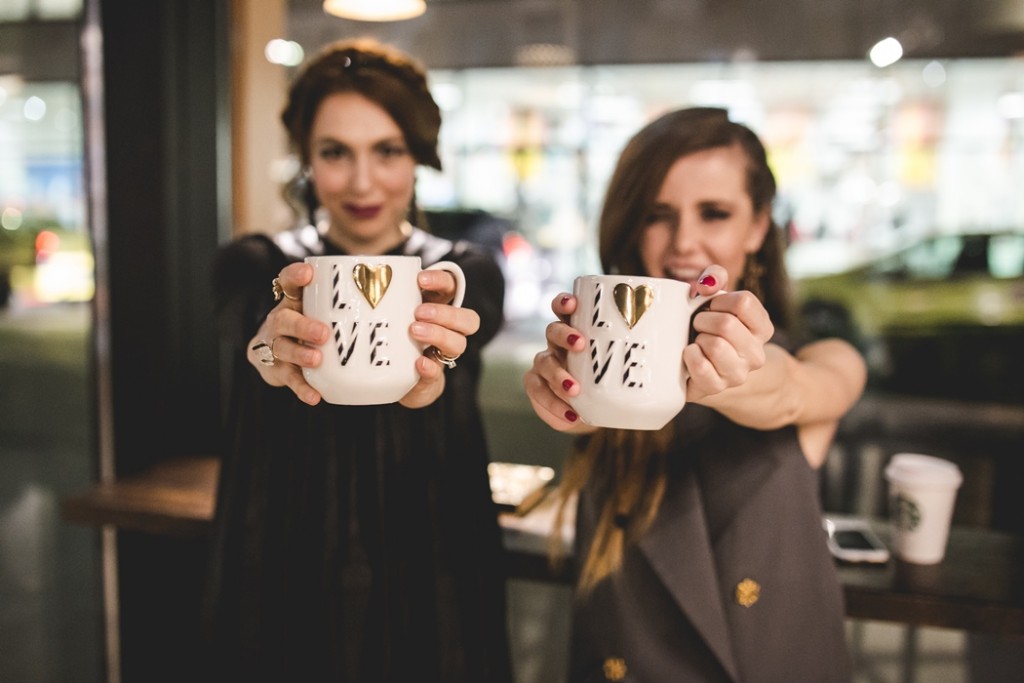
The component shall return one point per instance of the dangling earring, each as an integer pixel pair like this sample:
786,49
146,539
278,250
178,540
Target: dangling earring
414,217
309,195
753,271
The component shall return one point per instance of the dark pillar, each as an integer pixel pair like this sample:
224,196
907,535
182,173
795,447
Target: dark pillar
160,206
165,73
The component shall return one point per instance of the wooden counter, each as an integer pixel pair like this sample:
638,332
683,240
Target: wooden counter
978,587
174,498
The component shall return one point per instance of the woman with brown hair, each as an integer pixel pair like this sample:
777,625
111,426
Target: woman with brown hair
700,546
355,543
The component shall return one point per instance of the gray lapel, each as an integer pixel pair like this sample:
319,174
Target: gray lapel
679,550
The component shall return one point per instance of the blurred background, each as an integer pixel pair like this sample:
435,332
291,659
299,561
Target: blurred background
896,131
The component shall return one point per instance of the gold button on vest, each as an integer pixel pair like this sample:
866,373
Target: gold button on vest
748,592
614,669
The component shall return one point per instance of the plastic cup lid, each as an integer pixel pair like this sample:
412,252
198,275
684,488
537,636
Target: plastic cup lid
915,469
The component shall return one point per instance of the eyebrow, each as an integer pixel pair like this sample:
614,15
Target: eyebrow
327,139
705,203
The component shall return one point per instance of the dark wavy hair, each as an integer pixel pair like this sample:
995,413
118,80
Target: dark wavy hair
638,177
629,466
380,73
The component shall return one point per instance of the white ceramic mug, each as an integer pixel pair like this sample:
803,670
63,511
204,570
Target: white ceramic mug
369,304
631,374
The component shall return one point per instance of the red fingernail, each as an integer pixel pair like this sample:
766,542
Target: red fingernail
572,339
565,299
567,385
707,281
571,416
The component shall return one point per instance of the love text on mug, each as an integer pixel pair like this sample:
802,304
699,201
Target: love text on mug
619,360
372,284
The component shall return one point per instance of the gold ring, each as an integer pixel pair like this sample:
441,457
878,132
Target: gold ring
447,361
264,352
279,291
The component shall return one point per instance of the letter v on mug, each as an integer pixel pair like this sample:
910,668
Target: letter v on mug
369,304
631,373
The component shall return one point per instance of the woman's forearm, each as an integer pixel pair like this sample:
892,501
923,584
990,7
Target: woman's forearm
817,385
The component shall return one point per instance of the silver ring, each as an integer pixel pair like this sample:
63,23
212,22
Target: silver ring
447,361
279,291
264,353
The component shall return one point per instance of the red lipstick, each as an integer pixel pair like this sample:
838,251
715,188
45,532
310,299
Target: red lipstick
363,212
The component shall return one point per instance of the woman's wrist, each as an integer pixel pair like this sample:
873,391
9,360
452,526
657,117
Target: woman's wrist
767,399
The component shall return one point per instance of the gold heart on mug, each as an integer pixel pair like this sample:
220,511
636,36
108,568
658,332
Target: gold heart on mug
632,303
372,282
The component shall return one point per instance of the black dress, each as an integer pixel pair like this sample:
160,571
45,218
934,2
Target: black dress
354,543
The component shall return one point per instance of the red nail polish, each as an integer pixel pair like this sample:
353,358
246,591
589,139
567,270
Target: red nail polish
571,416
567,385
565,300
707,281
572,339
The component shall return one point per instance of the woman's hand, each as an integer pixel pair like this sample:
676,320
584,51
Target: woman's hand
291,337
736,371
548,384
441,326
731,335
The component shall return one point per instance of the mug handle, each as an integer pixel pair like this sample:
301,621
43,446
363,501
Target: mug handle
702,299
460,279
695,305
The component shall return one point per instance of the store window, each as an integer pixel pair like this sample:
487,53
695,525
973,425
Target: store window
50,606
868,160
47,255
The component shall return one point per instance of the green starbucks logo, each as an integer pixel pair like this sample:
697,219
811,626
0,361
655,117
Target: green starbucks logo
907,513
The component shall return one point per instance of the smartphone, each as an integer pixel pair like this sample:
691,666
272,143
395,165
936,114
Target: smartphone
851,539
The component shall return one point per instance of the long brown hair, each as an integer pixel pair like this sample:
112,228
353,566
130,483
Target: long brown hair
380,73
627,468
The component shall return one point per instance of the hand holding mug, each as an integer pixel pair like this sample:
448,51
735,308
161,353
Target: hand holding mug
615,357
287,340
380,327
731,333
293,341
631,374
442,327
547,383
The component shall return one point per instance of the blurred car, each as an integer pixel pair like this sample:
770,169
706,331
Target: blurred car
46,263
940,315
973,279
17,250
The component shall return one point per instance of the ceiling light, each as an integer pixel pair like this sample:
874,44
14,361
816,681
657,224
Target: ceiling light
283,52
886,52
375,10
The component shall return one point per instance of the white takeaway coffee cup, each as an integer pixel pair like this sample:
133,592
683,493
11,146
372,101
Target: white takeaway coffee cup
922,494
369,304
631,374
